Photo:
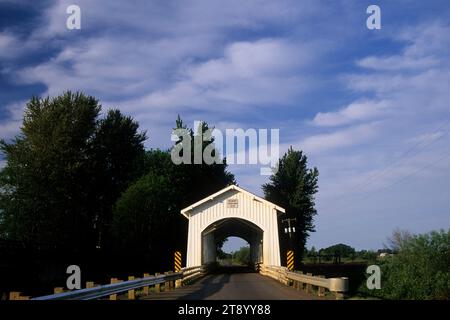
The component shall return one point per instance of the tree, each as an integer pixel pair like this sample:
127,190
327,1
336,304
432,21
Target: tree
117,159
293,187
242,256
340,249
141,214
64,170
219,249
311,254
367,255
207,178
398,240
188,184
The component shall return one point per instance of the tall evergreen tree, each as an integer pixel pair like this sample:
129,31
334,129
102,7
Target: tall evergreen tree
158,212
207,178
293,187
116,158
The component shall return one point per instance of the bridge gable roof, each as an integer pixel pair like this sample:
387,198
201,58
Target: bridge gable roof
213,196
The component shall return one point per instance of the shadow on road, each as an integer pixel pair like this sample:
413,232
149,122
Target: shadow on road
217,279
209,286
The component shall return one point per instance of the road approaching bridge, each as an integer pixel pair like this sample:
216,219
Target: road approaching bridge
233,283
259,282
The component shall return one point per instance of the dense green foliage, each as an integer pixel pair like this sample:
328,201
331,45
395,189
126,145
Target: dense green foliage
65,171
242,256
293,187
141,212
419,270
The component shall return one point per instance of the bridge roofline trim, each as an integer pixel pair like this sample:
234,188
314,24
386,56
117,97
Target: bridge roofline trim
185,211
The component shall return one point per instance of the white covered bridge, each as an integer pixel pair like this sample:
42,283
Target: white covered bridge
232,211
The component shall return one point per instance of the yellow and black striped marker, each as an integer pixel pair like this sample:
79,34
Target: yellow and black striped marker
290,260
177,259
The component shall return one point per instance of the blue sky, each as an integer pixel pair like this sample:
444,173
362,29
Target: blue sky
369,107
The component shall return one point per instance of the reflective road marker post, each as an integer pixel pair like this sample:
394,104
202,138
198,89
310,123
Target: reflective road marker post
290,260
177,259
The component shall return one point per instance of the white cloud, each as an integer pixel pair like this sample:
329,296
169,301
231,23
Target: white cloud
392,63
248,74
356,111
9,46
427,46
249,60
260,73
338,139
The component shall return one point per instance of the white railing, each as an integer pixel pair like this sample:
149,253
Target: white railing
338,286
192,273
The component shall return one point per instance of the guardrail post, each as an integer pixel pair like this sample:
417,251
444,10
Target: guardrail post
321,290
172,282
308,286
157,286
113,296
167,284
299,283
339,295
178,283
58,290
14,295
145,289
131,293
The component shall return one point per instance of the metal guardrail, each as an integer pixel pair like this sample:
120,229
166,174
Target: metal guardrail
192,273
339,286
186,275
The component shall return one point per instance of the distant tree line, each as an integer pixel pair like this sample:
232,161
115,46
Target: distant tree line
342,251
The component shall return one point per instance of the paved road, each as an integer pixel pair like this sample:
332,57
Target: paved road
234,286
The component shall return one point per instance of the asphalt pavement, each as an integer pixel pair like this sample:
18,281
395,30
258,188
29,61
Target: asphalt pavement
234,284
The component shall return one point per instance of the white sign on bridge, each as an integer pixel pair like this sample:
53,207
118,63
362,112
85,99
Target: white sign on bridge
232,203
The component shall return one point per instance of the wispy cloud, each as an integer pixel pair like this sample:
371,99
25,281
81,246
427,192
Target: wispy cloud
356,111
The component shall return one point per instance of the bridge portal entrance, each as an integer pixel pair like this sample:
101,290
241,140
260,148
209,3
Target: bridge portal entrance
232,211
232,227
